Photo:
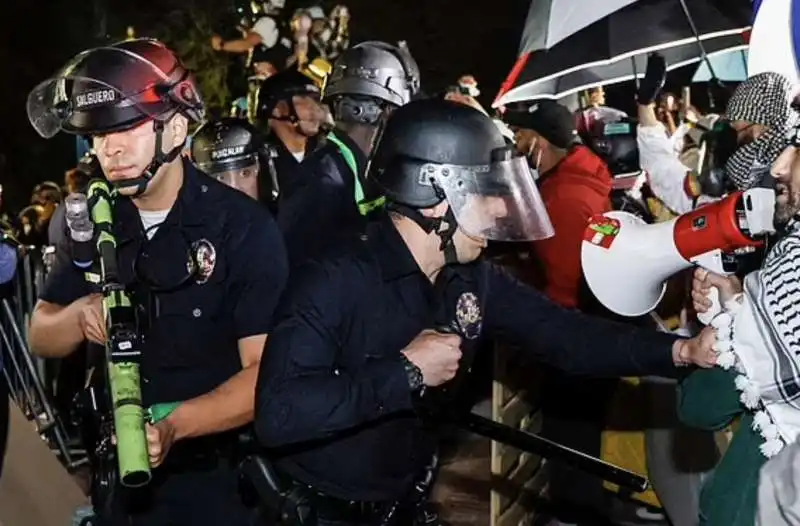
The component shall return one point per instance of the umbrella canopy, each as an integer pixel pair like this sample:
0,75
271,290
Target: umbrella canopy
620,71
775,39
730,66
551,21
662,24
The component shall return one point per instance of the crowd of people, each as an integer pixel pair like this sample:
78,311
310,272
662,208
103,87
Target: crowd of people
310,274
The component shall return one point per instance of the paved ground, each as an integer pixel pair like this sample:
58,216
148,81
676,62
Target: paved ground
35,489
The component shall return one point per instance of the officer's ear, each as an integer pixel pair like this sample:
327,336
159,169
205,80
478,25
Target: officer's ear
178,127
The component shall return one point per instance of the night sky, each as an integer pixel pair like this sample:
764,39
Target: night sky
447,38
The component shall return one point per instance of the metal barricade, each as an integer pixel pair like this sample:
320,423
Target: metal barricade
29,378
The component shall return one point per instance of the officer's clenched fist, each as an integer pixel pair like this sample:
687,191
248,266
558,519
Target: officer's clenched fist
436,354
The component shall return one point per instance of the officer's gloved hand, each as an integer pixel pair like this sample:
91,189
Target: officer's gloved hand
654,78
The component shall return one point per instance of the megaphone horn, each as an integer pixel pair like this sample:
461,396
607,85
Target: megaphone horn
626,262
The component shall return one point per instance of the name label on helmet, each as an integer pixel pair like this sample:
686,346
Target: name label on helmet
95,98
223,153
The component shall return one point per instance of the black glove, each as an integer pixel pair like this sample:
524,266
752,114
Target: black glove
654,78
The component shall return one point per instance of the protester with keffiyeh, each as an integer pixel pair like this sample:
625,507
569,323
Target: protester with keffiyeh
758,373
758,113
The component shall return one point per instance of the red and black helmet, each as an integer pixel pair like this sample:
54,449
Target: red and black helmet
113,88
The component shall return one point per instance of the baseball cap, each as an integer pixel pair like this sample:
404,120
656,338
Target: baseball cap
548,118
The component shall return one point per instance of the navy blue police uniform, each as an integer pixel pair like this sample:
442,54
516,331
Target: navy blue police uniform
333,395
192,323
317,204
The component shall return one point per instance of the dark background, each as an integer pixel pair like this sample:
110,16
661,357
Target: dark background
447,38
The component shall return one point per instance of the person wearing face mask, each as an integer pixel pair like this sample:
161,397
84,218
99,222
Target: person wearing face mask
364,329
756,379
735,145
185,247
575,184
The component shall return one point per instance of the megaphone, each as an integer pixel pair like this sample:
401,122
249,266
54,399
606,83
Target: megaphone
626,261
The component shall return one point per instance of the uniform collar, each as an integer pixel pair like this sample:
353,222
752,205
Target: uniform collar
188,209
391,251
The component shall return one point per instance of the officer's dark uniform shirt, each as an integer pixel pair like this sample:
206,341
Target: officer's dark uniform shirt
333,397
317,206
191,345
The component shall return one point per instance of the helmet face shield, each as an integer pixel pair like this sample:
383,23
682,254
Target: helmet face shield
498,201
86,106
109,89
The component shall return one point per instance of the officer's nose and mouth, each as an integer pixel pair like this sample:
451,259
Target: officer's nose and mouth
116,152
482,210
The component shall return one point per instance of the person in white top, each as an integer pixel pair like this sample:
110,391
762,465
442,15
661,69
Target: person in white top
265,32
756,115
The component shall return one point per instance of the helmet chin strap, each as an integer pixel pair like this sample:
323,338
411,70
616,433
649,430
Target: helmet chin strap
445,227
160,158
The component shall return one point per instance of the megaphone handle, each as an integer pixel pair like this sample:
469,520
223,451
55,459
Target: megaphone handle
716,307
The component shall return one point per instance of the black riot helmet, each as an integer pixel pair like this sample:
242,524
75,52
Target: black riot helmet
225,144
114,88
436,150
615,143
283,86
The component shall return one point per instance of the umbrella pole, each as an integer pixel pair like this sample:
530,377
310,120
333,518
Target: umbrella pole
697,37
635,73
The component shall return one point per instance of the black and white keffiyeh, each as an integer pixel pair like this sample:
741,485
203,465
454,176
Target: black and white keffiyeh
762,99
759,335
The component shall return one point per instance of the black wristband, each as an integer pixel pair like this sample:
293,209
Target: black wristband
413,374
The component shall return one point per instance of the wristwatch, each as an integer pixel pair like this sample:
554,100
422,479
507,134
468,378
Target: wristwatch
413,373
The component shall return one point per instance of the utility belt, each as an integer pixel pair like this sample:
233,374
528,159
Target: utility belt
292,503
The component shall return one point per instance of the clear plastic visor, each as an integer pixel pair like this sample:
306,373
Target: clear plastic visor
66,97
498,201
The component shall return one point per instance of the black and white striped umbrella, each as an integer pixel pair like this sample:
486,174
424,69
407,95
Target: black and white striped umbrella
615,48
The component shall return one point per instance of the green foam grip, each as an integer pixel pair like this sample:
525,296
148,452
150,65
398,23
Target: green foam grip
101,209
129,419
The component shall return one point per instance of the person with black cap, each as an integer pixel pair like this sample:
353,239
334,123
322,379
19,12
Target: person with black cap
362,330
203,264
575,184
316,174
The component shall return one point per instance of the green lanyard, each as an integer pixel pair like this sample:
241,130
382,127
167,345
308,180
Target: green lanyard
364,206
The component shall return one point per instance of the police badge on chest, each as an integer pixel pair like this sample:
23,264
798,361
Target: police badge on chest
202,260
469,316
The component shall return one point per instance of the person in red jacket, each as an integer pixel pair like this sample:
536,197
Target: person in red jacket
575,184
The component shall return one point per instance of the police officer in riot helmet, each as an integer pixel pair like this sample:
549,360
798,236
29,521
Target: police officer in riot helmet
185,246
229,150
320,194
288,110
368,81
364,329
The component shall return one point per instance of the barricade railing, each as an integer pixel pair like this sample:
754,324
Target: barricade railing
30,379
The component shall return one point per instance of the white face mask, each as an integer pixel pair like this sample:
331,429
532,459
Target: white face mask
534,164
